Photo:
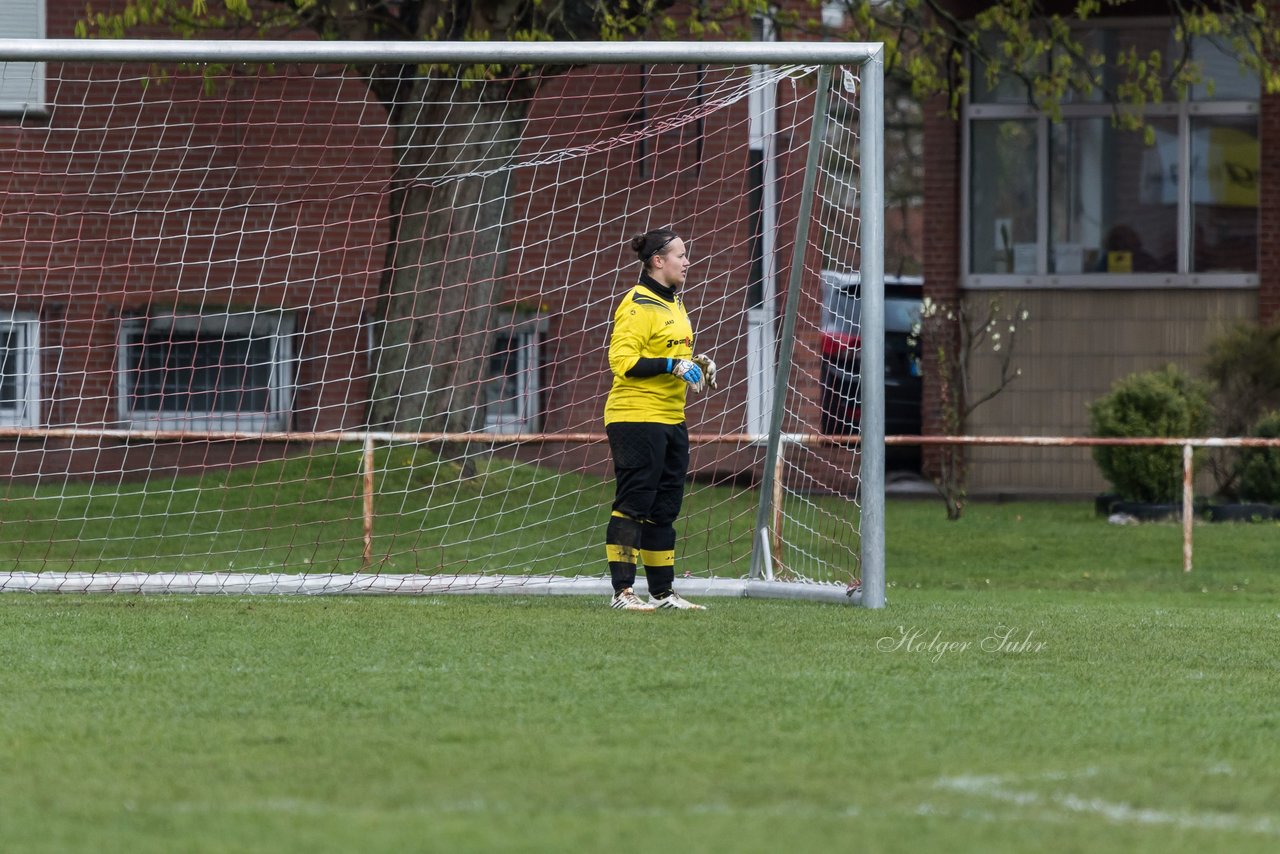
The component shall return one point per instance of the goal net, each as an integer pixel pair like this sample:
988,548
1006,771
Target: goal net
329,326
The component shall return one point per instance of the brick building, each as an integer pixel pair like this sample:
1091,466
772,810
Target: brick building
141,219
178,255
1043,215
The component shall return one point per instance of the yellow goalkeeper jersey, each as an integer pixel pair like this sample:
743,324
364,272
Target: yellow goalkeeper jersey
647,325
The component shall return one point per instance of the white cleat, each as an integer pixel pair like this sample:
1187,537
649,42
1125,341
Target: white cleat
676,602
627,600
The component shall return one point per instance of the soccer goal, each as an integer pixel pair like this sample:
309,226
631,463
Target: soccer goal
301,317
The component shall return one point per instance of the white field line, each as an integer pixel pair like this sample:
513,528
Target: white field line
1058,804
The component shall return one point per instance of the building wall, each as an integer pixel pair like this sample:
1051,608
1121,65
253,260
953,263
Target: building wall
1077,342
941,241
1073,346
191,203
301,165
137,195
1269,211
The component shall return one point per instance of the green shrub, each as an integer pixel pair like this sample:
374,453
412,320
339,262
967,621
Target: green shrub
1167,402
1244,365
1258,469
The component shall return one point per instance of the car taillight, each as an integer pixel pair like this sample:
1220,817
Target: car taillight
837,344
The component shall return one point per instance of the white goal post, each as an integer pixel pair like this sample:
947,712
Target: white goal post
331,317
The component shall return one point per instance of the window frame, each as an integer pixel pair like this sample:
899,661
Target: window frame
281,388
1183,111
26,412
39,106
524,339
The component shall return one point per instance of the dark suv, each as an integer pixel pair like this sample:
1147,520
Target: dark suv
841,351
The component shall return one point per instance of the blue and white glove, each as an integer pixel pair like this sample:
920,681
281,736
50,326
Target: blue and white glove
687,371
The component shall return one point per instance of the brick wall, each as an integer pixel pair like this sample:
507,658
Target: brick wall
179,199
941,242
1269,200
272,195
174,201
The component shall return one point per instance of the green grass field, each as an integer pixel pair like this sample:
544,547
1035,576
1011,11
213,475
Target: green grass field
1040,681
304,514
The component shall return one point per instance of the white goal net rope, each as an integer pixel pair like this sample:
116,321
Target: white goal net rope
262,331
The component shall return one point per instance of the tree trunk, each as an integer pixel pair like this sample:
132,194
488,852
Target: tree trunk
446,254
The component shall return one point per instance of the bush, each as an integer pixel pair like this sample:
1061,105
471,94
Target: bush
1167,402
1244,365
1258,469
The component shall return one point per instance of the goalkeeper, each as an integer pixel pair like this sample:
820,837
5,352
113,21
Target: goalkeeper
651,356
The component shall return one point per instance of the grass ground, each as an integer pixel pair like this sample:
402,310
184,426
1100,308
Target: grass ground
304,514
1040,681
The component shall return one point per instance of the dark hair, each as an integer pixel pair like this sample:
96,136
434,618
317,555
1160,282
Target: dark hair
651,243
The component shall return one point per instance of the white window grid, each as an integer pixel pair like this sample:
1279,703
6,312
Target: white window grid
22,84
275,327
23,361
1183,111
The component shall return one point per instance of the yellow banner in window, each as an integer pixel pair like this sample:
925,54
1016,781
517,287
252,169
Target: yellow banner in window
1232,169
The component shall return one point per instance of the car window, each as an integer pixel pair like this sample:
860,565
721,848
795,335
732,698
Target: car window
901,314
839,311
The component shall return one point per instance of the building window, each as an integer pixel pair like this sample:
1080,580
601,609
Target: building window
1082,202
19,371
1113,199
512,386
22,83
207,371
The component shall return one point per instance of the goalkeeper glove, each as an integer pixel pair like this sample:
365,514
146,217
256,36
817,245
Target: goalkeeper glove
687,371
708,369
